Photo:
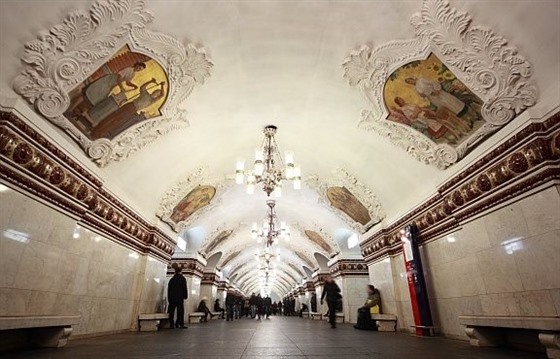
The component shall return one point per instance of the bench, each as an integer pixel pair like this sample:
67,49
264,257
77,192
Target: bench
385,322
305,314
149,322
488,331
216,315
316,315
43,331
195,316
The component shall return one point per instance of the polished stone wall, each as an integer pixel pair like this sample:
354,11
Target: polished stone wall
51,266
503,263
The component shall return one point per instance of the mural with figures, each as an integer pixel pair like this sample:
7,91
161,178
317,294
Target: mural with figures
199,197
428,97
128,89
342,199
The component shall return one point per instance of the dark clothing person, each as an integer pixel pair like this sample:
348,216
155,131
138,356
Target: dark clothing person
202,307
332,292
267,306
176,294
370,307
304,308
230,303
314,303
218,308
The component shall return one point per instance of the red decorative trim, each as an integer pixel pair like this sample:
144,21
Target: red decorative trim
525,161
35,165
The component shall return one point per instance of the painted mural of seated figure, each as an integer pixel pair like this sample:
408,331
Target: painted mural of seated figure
371,306
424,119
433,91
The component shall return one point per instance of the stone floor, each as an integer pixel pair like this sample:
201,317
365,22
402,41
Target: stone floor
277,337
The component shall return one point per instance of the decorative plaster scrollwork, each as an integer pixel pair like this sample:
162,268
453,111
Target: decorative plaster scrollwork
477,56
358,189
181,189
69,52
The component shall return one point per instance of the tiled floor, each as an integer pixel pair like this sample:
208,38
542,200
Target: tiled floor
273,338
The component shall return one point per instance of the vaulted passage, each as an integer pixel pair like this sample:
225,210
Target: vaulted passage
393,165
277,337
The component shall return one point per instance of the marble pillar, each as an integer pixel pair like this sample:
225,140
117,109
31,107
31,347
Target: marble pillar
351,275
318,278
209,288
192,268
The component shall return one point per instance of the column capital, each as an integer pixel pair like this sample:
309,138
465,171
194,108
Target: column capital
189,266
349,267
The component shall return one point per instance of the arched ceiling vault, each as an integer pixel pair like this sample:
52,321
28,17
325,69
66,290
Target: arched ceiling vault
280,63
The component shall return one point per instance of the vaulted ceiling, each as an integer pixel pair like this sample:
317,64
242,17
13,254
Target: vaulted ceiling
280,63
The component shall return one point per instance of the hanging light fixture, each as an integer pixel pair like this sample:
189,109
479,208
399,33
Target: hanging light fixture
271,228
269,168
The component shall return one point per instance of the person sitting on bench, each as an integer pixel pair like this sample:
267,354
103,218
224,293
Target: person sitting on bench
371,306
202,307
218,308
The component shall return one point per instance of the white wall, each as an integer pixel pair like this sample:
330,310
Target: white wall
504,263
53,273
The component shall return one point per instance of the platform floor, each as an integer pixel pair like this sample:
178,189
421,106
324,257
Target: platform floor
277,337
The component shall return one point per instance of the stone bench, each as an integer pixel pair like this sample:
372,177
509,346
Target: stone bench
385,322
195,317
50,331
488,331
216,315
305,314
149,322
316,315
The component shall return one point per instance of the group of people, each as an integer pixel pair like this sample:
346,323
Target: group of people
237,306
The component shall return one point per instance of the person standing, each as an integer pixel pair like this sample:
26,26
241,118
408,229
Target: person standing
176,294
267,306
332,292
230,302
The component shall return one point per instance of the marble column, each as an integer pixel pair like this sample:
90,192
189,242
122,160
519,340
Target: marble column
192,269
318,278
352,277
309,290
209,288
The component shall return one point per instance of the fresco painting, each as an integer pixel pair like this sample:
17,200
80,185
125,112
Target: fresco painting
128,89
428,97
199,197
318,240
341,198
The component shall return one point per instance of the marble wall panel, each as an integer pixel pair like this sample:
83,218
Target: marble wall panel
504,263
51,266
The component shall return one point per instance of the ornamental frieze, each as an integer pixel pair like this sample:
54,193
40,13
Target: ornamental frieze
349,267
528,159
32,163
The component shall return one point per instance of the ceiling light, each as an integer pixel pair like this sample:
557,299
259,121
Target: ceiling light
271,228
269,168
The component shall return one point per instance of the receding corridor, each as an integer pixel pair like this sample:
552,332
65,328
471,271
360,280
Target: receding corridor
277,337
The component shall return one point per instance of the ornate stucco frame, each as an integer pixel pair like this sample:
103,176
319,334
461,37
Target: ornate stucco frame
343,178
475,54
67,53
200,177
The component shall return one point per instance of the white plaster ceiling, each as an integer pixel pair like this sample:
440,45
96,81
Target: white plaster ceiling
279,62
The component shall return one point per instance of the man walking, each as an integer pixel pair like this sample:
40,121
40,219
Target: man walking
176,294
332,292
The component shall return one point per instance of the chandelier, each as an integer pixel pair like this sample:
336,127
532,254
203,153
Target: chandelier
270,229
266,268
269,168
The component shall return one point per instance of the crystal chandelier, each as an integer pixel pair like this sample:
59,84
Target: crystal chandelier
269,168
267,271
270,229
